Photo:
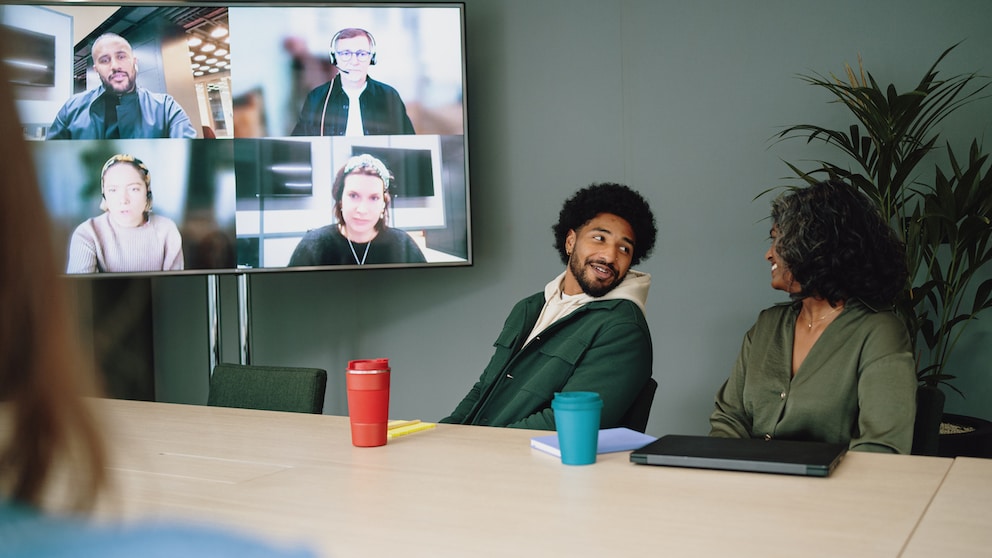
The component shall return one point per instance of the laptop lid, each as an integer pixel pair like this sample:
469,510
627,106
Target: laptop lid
788,457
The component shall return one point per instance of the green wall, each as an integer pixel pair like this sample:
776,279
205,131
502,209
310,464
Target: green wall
677,99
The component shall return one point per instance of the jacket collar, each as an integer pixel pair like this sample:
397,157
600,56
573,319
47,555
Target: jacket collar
634,287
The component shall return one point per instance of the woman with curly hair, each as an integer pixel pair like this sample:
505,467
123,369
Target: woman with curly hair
835,364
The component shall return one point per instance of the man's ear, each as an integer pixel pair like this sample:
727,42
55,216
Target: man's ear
570,241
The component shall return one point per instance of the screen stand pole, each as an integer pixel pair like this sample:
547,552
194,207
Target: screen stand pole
244,317
213,319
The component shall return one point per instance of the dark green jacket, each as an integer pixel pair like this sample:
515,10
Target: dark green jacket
857,385
604,346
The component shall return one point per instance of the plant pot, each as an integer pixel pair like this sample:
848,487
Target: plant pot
977,443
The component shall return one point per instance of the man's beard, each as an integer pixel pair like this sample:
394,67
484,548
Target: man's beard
592,288
129,86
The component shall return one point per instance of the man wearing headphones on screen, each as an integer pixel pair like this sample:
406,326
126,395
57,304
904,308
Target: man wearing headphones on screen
352,103
586,331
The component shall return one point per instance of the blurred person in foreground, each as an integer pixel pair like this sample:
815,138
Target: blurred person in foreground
53,458
586,331
835,363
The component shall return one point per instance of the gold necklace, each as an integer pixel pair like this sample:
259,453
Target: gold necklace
823,317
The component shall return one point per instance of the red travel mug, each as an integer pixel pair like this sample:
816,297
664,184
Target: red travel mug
368,401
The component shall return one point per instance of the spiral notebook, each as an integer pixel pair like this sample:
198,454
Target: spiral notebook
610,440
788,457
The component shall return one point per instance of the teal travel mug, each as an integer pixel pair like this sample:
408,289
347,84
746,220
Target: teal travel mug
577,422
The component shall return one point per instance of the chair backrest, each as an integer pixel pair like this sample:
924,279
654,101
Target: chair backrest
926,427
270,388
636,418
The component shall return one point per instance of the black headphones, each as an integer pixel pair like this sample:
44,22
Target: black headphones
334,39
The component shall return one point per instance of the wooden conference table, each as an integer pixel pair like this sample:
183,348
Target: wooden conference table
959,519
479,491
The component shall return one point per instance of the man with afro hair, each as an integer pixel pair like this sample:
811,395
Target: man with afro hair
586,331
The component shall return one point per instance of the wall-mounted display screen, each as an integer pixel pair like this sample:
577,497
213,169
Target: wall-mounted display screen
255,136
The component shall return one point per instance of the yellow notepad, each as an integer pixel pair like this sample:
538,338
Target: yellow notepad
396,428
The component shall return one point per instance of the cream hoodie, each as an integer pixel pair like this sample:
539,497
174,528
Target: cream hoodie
557,305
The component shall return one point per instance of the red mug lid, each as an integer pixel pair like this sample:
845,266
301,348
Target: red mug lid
369,364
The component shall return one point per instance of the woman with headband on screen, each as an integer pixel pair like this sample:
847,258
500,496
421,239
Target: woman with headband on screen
127,236
360,235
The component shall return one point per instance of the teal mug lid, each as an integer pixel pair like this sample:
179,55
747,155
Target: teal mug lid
576,400
576,396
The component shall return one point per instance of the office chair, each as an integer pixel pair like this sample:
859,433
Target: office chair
926,427
270,388
636,418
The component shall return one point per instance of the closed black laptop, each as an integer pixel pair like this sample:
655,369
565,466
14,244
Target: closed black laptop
816,459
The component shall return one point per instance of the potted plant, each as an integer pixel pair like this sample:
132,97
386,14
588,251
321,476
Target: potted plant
945,218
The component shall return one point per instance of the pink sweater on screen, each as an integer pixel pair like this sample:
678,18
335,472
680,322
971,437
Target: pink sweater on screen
99,245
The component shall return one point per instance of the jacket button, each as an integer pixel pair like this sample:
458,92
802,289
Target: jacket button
782,395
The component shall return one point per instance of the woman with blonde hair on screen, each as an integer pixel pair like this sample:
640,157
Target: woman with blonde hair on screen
127,236
53,459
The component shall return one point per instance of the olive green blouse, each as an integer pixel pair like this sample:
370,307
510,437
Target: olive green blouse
856,386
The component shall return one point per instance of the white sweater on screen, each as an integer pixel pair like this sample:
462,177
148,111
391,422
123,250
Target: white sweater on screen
99,245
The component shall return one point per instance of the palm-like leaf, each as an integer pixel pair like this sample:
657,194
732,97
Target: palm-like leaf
946,222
